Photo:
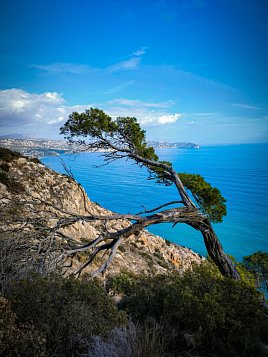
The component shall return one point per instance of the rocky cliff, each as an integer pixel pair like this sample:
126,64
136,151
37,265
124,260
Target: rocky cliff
34,198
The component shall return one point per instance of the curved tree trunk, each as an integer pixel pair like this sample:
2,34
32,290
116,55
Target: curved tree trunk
125,139
215,249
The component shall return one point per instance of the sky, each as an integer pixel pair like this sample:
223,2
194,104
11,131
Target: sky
188,70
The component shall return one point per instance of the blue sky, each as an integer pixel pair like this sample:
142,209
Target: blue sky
189,70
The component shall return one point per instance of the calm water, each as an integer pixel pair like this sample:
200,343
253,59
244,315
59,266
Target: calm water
239,171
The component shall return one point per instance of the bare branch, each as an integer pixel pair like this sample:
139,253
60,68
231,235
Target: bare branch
159,207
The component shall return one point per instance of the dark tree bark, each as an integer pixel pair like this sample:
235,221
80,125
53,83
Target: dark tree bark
215,249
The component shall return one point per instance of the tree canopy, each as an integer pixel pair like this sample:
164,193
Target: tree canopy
257,263
126,138
123,137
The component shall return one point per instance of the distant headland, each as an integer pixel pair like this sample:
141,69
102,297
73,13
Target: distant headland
172,145
36,147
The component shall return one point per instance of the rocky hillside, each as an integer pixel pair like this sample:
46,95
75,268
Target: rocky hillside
34,198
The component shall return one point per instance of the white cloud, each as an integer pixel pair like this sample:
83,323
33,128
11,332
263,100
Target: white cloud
148,114
202,114
17,105
75,68
131,63
14,101
56,68
145,117
245,106
119,87
169,118
43,114
20,108
139,103
140,52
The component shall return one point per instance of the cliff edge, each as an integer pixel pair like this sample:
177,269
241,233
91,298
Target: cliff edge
34,198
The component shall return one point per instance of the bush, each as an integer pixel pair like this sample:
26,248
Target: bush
257,264
67,311
9,155
16,340
124,282
222,316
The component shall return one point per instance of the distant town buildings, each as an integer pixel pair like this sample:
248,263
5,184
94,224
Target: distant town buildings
43,147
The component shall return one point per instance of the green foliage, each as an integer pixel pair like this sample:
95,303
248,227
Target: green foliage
160,174
9,155
257,263
94,122
209,198
223,315
17,339
125,281
126,133
245,275
130,130
67,311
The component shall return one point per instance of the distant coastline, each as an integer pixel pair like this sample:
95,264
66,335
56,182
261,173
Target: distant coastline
46,147
172,145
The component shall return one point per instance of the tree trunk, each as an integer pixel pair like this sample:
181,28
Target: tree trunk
215,250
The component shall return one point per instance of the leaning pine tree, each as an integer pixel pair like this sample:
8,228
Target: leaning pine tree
123,138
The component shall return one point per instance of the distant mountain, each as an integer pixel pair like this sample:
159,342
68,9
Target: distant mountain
18,136
173,145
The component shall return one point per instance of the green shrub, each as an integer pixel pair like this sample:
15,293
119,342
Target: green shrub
67,311
257,264
9,155
124,282
224,316
18,340
227,312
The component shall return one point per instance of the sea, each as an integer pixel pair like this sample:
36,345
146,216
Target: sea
239,171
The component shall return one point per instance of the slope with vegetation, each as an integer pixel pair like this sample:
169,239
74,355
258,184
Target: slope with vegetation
45,311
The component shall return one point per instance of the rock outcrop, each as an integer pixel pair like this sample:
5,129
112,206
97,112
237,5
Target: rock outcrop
32,195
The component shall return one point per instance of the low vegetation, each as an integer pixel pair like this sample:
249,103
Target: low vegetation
62,314
8,155
200,313
215,315
257,263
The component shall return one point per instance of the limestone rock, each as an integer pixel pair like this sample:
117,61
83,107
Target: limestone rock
51,195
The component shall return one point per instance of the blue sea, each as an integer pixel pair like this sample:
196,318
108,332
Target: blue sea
239,171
